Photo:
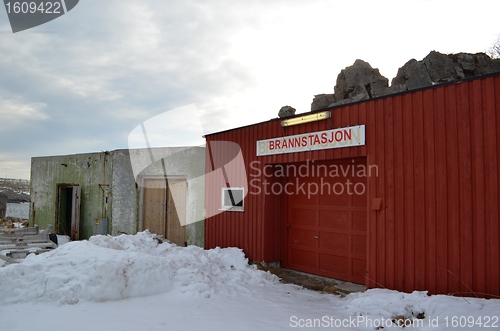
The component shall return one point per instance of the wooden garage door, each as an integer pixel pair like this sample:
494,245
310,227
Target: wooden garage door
326,220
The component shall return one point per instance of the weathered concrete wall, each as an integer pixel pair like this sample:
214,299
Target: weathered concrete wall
18,210
178,162
125,196
114,172
90,171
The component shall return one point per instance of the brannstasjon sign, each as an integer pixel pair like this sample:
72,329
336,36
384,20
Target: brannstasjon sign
335,138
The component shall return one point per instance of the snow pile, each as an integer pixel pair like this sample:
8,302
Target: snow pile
381,308
98,273
113,268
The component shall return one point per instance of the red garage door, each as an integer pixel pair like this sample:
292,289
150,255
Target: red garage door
326,219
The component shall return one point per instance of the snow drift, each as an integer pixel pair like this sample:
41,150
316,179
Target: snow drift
99,273
108,268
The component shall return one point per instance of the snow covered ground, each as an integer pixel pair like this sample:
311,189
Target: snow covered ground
134,283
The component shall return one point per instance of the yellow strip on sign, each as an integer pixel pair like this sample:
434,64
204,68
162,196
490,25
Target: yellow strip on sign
306,118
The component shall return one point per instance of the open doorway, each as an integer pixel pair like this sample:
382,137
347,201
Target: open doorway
68,210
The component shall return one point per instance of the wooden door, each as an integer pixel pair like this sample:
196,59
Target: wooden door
176,211
154,206
164,210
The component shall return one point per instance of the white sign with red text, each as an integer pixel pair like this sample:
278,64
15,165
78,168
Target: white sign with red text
335,138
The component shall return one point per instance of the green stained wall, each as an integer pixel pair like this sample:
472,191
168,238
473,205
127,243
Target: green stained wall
121,173
92,172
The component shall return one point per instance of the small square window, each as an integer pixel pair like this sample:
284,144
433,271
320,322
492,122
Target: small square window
232,198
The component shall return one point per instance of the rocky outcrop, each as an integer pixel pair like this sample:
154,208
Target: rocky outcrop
360,81
438,68
483,64
321,101
355,83
411,76
286,111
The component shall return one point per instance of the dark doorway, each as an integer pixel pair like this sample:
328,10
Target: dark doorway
68,210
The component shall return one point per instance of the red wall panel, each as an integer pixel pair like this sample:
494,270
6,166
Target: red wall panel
438,176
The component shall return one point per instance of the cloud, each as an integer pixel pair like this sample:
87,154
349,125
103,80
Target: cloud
83,82
15,111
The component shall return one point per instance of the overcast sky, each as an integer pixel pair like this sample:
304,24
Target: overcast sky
84,81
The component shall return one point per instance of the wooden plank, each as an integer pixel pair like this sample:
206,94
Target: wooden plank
373,279
380,228
409,198
390,234
478,188
176,212
465,182
430,191
233,224
419,190
279,223
491,108
154,199
453,189
253,201
255,224
441,219
496,223
399,194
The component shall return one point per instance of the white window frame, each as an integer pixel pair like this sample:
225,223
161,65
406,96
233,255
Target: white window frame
230,207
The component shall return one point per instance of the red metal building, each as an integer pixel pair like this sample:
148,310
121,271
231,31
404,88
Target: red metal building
427,219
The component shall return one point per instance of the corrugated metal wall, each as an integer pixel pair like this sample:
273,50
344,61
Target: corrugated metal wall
437,156
437,153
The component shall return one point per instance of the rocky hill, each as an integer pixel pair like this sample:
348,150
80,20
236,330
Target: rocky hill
360,81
